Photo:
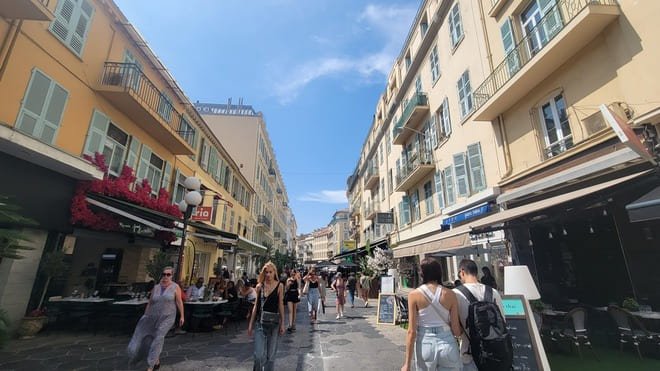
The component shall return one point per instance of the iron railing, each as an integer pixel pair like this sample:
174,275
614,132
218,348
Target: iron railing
417,100
263,219
424,157
560,15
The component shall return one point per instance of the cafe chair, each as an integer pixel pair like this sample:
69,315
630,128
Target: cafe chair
199,317
630,329
575,330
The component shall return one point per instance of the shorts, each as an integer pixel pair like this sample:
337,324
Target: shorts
291,297
437,349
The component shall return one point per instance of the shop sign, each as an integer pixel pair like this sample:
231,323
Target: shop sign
467,215
136,228
202,214
385,218
348,245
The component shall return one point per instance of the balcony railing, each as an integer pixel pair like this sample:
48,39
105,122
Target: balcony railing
412,114
371,177
416,168
372,210
34,10
264,221
128,87
276,234
554,21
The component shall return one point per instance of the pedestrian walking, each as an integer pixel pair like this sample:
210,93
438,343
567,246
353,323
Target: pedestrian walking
351,285
365,285
268,314
322,290
291,298
433,324
312,283
157,320
340,289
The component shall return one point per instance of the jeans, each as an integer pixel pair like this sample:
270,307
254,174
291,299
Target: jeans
265,346
351,296
436,349
313,296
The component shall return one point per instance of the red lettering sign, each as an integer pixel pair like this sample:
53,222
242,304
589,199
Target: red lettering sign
202,214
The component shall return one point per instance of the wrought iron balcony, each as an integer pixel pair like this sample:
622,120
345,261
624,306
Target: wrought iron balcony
33,10
414,170
371,177
263,221
129,89
413,114
276,234
565,30
372,210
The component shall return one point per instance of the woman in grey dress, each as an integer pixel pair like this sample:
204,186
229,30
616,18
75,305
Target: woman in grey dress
157,320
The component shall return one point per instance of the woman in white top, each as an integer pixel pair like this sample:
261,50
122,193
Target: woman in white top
433,324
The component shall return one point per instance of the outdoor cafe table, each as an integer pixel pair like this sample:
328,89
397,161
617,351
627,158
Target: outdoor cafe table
132,302
200,306
72,310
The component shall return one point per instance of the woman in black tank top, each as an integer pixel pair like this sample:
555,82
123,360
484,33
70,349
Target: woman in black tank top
270,294
291,298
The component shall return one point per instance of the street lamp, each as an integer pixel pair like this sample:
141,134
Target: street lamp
189,202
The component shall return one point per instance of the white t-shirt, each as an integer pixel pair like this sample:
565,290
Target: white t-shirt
195,293
478,290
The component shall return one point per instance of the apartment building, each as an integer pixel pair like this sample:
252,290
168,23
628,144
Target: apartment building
426,166
242,130
338,240
305,249
320,246
556,107
78,81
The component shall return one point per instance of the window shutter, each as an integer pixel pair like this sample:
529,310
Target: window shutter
509,44
167,173
96,133
79,34
405,210
446,120
131,160
173,196
42,108
461,174
204,156
63,16
477,176
145,159
53,114
449,185
551,18
439,189
213,162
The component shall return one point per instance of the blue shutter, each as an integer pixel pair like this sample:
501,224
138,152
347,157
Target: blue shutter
131,160
145,160
167,173
460,170
42,108
475,160
449,185
71,23
405,210
96,133
439,189
446,120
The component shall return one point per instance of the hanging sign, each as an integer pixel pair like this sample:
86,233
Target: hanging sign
202,214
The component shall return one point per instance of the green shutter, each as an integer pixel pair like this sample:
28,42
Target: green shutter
460,171
439,189
509,43
477,176
131,160
145,159
43,106
446,120
167,173
79,34
96,133
71,23
449,185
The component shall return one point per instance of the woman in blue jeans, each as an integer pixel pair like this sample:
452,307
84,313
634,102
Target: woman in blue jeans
268,313
313,293
433,324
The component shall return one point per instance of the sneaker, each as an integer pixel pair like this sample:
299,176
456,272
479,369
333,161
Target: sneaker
337,316
289,330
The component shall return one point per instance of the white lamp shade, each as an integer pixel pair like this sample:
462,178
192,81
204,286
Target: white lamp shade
193,198
183,206
192,183
518,281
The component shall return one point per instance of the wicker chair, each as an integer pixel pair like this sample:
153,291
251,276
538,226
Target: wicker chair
576,330
630,328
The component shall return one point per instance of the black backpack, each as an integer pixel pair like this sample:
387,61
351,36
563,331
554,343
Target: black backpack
490,341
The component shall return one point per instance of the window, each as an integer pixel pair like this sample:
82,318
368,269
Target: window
509,43
455,26
541,21
382,189
424,26
43,105
380,154
388,143
460,172
151,168
134,71
408,61
106,138
475,161
428,197
414,204
556,128
71,23
404,211
465,94
204,154
418,84
389,182
430,134
231,221
133,150
443,119
165,107
435,64
187,132
227,180
449,186
439,189
224,218
179,188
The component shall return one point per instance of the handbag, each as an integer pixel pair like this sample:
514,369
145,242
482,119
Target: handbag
268,318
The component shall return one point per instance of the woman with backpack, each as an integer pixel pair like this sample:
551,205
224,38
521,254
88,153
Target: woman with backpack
433,324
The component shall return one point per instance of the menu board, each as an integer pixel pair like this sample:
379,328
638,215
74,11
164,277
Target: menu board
386,309
525,349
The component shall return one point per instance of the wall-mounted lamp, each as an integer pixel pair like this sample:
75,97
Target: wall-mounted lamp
550,236
591,230
564,232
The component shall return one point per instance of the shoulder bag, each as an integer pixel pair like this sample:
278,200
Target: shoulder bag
306,288
268,318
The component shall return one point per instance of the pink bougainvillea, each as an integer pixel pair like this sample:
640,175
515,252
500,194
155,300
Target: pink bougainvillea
119,188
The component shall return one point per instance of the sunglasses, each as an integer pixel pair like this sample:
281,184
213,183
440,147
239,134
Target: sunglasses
166,274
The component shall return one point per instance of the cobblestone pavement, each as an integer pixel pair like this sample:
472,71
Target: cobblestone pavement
351,343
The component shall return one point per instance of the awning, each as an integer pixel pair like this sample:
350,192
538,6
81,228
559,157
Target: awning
203,228
646,207
147,217
452,239
506,215
382,243
246,244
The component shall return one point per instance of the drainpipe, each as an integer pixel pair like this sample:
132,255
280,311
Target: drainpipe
482,18
8,45
505,144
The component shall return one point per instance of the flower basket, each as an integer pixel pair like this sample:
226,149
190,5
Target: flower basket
30,326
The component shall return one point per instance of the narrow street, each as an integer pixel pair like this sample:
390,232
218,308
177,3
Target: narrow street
350,343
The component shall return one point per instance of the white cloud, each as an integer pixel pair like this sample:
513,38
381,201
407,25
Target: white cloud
392,22
326,197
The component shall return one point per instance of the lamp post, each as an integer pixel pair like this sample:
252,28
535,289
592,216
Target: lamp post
186,206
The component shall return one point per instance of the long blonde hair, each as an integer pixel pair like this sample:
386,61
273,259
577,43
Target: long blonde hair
262,275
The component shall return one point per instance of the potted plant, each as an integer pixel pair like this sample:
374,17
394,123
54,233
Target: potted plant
32,323
630,304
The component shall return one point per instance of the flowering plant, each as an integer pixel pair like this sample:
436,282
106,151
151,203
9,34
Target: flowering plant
121,188
381,261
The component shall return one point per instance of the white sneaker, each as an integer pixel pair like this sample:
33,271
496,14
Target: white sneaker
338,316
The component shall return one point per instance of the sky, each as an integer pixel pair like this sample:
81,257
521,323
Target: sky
315,68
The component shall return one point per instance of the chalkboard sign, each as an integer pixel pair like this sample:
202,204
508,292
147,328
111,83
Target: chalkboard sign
386,309
525,349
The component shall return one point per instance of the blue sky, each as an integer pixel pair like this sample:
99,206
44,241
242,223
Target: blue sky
315,68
